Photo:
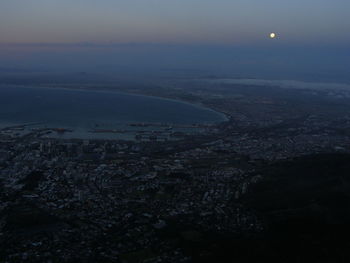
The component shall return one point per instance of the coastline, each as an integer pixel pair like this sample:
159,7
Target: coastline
199,105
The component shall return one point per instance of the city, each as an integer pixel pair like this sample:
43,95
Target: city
87,200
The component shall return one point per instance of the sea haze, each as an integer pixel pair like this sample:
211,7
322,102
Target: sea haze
83,110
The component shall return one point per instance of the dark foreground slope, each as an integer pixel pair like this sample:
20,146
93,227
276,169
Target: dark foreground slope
305,207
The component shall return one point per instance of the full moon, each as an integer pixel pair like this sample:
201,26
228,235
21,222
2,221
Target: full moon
272,35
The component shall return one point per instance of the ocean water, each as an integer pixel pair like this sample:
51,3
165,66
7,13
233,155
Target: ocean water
83,110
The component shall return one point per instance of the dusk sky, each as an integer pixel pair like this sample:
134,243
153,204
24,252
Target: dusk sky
313,36
181,21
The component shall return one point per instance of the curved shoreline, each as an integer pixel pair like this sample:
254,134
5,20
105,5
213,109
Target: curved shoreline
199,105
